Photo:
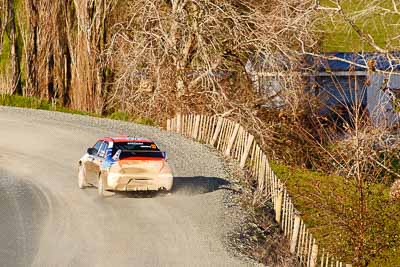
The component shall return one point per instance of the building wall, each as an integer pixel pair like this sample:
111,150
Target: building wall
348,91
380,100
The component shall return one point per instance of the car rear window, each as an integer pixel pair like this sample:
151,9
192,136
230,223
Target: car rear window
135,146
136,149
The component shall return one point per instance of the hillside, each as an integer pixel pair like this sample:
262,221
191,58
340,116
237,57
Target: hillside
377,18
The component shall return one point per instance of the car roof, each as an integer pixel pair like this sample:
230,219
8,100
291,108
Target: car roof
126,138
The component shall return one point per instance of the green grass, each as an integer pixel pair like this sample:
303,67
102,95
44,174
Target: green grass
5,55
337,36
24,102
329,208
123,116
36,103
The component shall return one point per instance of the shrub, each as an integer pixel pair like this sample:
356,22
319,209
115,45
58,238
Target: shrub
122,116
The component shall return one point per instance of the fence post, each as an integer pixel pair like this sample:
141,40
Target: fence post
196,127
278,208
174,126
295,235
221,138
314,255
322,258
232,140
217,130
178,123
246,151
168,125
210,122
192,124
261,177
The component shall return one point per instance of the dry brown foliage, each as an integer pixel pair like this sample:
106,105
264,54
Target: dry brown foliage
395,190
60,45
191,55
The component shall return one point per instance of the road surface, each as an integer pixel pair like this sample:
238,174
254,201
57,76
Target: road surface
46,220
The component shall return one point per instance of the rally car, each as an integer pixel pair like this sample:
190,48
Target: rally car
125,163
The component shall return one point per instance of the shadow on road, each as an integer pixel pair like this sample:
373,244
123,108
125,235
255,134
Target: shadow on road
198,185
184,186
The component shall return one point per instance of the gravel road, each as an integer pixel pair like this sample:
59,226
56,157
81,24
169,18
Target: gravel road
46,220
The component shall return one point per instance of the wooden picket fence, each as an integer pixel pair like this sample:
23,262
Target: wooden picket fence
233,140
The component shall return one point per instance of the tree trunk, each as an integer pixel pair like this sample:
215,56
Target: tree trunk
31,54
12,33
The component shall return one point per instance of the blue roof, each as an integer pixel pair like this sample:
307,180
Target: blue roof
381,61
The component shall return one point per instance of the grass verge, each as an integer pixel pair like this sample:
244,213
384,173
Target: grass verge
370,17
329,207
36,103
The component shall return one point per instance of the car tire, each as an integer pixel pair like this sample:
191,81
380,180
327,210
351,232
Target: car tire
101,186
81,178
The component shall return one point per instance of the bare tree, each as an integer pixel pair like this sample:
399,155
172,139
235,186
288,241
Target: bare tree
186,51
8,28
31,48
87,46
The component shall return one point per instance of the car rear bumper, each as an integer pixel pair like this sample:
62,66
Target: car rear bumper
129,183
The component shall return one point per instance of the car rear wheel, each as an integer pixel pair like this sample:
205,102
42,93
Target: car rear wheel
81,178
101,186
